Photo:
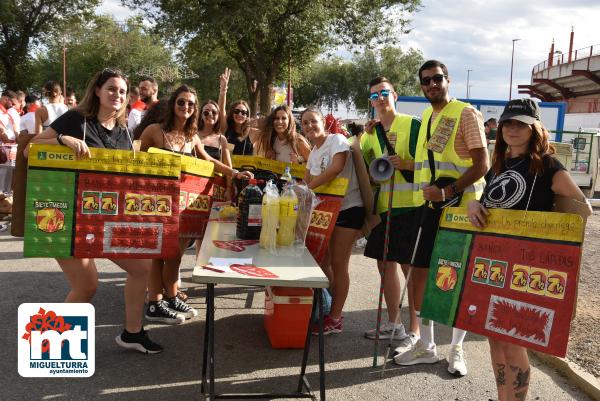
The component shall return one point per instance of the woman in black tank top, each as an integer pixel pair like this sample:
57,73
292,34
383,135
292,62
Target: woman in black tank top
236,124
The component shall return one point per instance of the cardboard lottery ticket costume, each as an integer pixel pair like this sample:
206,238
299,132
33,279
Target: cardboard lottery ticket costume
116,204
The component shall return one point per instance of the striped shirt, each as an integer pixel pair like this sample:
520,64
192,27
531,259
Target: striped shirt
470,134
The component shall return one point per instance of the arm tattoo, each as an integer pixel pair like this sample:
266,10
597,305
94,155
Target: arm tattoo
501,377
522,378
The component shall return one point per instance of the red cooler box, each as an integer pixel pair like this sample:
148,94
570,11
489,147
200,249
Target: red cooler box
287,312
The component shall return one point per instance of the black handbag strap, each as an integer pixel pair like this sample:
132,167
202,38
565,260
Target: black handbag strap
406,174
383,135
430,153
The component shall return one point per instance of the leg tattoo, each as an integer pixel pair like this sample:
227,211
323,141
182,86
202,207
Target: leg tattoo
522,378
501,377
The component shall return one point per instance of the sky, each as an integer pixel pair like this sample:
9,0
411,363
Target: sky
478,35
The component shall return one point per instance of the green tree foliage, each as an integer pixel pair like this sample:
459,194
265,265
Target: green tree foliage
262,36
25,24
209,65
328,83
102,42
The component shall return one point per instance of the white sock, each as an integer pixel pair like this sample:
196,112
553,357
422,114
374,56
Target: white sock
458,336
426,329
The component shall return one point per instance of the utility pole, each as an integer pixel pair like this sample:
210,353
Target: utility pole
512,61
468,86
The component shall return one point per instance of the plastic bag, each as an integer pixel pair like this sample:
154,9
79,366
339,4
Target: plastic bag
288,215
307,202
270,217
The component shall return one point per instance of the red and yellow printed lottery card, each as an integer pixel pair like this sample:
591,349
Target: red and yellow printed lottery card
196,194
116,204
516,280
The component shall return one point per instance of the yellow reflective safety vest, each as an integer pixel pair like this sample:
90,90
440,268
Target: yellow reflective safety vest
372,148
447,162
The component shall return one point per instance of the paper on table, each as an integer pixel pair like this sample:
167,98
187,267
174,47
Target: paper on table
224,263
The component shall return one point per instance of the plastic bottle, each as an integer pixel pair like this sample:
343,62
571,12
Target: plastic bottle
270,216
249,218
288,213
286,176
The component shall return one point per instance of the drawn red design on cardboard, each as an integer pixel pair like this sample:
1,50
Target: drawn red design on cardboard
253,271
520,320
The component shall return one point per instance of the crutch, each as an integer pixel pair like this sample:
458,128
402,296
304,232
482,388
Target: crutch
408,275
386,243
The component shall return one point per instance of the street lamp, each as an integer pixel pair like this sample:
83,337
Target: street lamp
468,76
512,61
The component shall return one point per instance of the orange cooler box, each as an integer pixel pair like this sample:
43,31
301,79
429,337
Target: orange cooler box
287,312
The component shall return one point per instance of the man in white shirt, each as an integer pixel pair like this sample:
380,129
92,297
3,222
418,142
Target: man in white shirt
10,120
148,88
28,120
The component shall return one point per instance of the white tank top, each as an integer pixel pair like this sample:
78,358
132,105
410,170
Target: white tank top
55,110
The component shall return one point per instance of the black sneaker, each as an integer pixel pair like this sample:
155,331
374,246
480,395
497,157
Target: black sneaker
139,342
158,311
183,308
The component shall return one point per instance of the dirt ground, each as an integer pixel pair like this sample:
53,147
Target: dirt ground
584,346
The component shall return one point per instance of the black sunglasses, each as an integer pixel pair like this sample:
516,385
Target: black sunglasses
207,113
437,78
182,103
242,112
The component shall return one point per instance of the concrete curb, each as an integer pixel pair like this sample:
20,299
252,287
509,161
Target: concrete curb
576,375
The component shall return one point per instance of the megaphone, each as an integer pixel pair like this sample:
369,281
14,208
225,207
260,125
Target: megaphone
381,169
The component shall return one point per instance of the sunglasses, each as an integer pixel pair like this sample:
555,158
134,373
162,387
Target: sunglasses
242,112
207,113
382,93
183,103
437,78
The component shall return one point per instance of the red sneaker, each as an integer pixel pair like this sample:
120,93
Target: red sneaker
330,326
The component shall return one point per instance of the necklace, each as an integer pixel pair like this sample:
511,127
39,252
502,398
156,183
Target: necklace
514,165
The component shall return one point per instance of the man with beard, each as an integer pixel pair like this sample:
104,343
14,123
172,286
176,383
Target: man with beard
148,89
451,158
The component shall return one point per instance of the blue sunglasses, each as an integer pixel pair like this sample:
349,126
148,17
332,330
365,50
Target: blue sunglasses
383,93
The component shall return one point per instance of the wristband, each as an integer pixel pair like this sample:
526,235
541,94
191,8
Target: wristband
454,190
234,172
59,139
443,195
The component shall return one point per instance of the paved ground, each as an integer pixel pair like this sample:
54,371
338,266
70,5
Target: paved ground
245,361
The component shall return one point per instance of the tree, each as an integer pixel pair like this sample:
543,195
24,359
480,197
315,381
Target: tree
102,42
27,23
333,81
262,36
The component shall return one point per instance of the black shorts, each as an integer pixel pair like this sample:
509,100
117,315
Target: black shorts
429,220
401,234
353,217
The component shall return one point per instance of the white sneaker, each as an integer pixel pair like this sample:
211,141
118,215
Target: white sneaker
406,344
385,331
417,354
456,361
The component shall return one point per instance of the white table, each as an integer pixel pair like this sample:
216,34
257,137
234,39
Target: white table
293,269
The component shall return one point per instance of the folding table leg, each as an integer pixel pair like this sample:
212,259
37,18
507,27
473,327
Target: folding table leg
211,342
203,386
307,344
321,346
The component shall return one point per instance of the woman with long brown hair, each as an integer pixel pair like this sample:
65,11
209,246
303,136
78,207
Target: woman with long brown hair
525,175
99,122
178,133
235,125
279,139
